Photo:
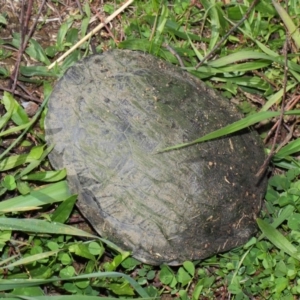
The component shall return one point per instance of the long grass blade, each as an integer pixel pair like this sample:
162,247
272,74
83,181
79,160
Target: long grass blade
234,127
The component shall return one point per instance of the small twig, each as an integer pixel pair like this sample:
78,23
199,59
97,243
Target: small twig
272,151
105,25
79,7
23,26
245,17
288,107
167,46
24,39
95,30
24,96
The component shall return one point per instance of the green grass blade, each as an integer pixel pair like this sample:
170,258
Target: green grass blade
238,56
291,148
286,212
49,194
48,176
278,239
41,226
276,97
288,22
31,259
211,9
67,297
234,127
15,283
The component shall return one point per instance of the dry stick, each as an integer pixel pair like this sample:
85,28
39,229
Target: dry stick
167,46
95,30
272,151
14,75
27,97
245,17
105,25
25,40
288,107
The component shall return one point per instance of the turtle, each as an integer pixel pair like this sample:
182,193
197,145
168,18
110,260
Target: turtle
109,118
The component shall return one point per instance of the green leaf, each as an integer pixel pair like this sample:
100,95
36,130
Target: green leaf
32,258
82,250
23,187
183,277
189,266
294,222
64,210
9,182
236,126
28,291
41,226
49,176
95,248
61,36
7,116
117,261
121,289
278,240
67,272
19,115
7,284
166,275
3,20
15,161
288,21
211,10
30,71
36,51
49,194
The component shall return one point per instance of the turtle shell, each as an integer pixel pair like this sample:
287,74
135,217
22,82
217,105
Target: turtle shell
110,115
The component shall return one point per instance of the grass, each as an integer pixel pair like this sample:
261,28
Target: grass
43,255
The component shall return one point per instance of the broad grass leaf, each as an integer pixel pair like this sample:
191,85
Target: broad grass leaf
49,194
31,259
275,98
15,161
166,275
4,72
247,81
61,36
82,250
28,292
291,148
189,266
66,297
18,115
36,51
49,176
234,127
288,22
183,276
7,116
30,71
162,22
284,215
278,239
238,56
9,182
2,19
9,284
35,162
41,226
64,210
244,67
212,11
